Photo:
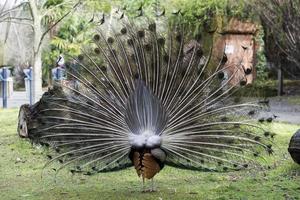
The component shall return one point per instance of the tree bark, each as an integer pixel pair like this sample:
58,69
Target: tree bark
31,116
37,57
37,77
23,120
1,53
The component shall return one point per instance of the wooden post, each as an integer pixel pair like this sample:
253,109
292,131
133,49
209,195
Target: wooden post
280,80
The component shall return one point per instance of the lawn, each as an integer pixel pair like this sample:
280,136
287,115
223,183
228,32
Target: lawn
21,166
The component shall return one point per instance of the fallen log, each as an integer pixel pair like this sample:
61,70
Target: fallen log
23,120
29,115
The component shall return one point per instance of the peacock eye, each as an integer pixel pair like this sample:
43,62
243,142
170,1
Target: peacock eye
130,42
103,68
148,47
110,40
161,41
97,50
141,33
199,53
178,37
221,75
152,27
80,57
97,37
166,58
123,31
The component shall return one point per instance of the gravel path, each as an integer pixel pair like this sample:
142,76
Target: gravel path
17,99
282,107
285,110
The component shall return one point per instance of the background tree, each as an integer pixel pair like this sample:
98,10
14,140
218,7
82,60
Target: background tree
281,21
38,12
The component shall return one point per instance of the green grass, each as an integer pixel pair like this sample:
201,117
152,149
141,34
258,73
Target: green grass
21,165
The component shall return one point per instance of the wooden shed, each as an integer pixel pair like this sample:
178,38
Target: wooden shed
237,44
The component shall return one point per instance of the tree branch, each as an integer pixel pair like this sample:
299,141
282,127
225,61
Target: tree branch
12,9
18,22
16,18
281,18
59,20
2,9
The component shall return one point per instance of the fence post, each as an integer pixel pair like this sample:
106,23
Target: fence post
28,73
30,87
4,75
280,80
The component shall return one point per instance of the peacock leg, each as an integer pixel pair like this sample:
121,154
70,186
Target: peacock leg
143,185
152,185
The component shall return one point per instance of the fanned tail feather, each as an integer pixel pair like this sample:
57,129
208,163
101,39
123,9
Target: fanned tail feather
137,79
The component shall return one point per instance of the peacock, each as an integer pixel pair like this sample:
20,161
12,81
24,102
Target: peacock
139,97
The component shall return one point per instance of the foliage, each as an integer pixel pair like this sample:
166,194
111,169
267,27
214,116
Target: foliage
42,16
201,17
259,88
268,88
73,34
261,61
21,167
96,6
193,13
201,14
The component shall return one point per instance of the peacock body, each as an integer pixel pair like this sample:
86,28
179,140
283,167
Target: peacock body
146,99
